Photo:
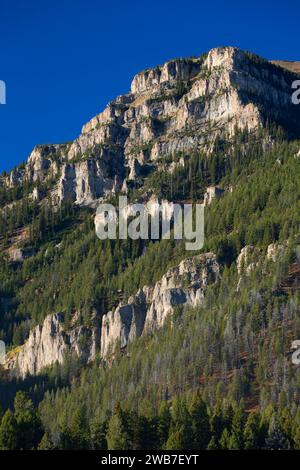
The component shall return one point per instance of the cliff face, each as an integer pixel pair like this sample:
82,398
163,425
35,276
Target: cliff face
125,323
84,182
171,110
42,165
183,285
49,343
178,107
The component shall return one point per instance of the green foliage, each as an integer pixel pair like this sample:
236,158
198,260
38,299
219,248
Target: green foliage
191,384
28,422
8,432
117,434
20,429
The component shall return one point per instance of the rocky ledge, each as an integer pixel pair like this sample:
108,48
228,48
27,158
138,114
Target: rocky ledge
49,343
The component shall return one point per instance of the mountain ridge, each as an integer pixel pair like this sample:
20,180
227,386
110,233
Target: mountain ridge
134,132
101,332
127,131
291,65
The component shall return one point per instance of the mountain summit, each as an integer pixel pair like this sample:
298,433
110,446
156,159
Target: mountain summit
182,106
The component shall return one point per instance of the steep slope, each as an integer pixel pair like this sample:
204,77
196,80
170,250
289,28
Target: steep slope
181,286
144,324
288,65
170,111
214,130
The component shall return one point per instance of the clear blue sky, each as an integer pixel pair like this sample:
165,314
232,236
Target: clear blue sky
63,60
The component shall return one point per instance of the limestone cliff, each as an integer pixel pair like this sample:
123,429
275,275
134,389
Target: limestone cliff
49,343
181,286
182,106
172,109
252,257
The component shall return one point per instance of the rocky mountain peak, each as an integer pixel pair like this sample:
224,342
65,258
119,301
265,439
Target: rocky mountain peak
181,106
166,75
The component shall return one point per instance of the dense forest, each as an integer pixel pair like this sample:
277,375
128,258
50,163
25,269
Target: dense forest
188,422
219,376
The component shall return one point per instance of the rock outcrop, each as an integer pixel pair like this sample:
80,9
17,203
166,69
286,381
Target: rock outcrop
125,323
43,164
247,259
49,343
276,250
212,192
84,182
250,257
173,109
182,286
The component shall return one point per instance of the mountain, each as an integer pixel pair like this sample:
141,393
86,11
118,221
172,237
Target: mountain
181,106
288,64
141,339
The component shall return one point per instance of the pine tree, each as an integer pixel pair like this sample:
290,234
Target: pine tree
238,423
117,436
297,438
217,423
200,427
175,441
252,432
225,440
8,432
77,431
276,439
213,445
164,421
46,443
98,430
28,423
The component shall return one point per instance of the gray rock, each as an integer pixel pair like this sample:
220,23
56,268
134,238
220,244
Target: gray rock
49,343
183,285
183,105
212,192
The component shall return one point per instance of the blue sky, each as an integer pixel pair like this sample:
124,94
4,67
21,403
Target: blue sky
63,60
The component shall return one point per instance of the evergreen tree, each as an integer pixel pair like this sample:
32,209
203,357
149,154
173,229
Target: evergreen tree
28,422
164,422
98,430
237,430
276,439
252,432
175,441
225,440
200,426
8,432
117,435
46,443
